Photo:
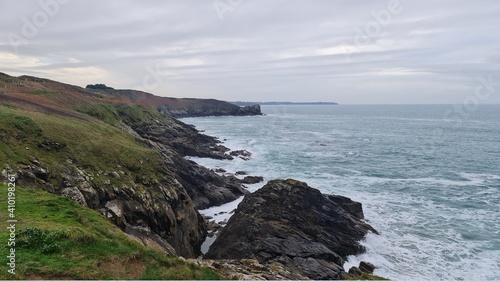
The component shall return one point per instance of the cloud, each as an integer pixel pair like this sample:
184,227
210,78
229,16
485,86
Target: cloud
428,52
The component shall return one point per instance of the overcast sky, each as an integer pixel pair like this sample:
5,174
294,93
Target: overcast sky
351,52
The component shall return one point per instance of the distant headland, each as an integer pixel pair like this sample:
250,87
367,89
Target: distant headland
242,104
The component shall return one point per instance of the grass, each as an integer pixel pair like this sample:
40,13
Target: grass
59,239
42,93
368,276
133,115
91,145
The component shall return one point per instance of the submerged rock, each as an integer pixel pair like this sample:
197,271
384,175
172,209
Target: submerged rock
290,224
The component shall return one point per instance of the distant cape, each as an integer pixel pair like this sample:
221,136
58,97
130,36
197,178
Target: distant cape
241,103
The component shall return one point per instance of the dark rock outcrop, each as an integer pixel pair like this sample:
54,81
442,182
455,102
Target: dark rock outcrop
184,138
251,110
162,202
366,267
252,179
205,187
293,225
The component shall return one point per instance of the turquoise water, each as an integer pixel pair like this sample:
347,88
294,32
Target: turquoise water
428,177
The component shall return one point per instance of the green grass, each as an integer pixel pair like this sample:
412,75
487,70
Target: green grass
106,113
59,239
368,276
133,115
92,145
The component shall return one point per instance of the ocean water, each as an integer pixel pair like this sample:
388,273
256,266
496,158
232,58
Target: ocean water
428,177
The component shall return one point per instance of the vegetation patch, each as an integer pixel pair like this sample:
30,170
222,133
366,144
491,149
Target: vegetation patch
367,276
92,145
57,238
42,93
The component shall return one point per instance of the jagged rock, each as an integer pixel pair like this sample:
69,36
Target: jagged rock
352,207
252,179
355,271
90,194
249,269
249,111
241,173
242,154
220,170
163,207
291,224
74,194
34,161
150,239
345,276
366,267
184,138
205,187
42,173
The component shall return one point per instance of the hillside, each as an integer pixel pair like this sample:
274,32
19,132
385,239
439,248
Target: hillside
122,158
59,239
55,97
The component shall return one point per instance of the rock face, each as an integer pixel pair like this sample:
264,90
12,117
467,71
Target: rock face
157,207
249,269
293,225
205,187
184,138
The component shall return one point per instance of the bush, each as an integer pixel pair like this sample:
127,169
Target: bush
42,240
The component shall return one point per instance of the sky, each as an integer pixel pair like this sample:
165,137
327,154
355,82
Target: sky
350,52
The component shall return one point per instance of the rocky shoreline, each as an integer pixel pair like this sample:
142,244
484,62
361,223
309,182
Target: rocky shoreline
285,230
290,225
124,154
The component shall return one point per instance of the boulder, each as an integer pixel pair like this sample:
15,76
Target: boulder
366,267
355,271
252,179
242,154
74,194
288,223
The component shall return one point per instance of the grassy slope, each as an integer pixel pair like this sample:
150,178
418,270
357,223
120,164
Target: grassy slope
95,248
90,248
89,144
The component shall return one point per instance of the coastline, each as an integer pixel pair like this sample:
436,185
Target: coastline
221,214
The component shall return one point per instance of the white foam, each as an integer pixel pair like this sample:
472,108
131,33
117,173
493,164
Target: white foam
223,212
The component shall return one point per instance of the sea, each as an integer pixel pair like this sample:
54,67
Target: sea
428,177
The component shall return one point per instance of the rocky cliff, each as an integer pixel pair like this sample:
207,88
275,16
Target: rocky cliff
121,153
290,224
116,155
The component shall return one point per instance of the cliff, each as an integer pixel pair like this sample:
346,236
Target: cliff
288,224
120,158
120,154
59,239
